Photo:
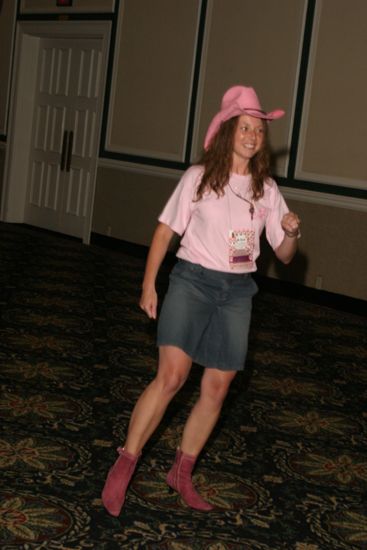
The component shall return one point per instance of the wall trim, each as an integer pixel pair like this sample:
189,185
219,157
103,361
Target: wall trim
101,6
147,170
325,199
332,180
302,195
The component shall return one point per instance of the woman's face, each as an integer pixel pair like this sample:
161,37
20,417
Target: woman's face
248,139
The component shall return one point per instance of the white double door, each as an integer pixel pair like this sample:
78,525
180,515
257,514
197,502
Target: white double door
65,134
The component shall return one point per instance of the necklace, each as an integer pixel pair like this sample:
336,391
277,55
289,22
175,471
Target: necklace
251,209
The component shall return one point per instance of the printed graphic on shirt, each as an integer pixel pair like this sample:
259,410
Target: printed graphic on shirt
241,248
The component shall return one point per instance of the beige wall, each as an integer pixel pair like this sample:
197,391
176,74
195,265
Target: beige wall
332,252
127,203
152,79
335,92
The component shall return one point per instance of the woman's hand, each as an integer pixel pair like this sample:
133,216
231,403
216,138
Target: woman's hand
290,224
286,250
148,302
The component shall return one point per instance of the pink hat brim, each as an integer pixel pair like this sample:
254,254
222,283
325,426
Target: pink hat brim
233,111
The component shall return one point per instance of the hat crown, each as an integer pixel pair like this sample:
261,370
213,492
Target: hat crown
241,96
238,100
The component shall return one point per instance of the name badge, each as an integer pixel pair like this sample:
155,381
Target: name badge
241,248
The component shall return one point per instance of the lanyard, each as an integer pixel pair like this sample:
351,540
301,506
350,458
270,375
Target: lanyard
251,209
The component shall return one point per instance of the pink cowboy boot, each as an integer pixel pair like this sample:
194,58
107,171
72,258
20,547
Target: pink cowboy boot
179,479
118,479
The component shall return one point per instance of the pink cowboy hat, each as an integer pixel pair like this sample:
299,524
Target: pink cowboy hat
238,100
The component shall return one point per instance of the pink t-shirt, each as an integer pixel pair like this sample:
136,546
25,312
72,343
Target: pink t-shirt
216,231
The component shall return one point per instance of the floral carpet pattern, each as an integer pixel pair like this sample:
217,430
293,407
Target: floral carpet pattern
286,467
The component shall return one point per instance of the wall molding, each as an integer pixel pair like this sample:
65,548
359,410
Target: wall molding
331,180
325,199
302,195
80,6
147,170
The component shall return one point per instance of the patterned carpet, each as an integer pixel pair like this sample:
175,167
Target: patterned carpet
286,466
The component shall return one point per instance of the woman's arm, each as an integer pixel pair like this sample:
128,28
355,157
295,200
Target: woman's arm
288,247
158,249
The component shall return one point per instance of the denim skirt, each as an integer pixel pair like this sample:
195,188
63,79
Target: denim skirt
207,313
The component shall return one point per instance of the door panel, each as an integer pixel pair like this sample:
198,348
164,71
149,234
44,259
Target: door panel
45,167
89,71
55,68
77,192
68,104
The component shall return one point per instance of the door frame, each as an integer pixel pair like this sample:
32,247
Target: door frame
22,105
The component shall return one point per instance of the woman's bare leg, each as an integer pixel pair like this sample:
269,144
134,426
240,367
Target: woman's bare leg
173,369
174,366
204,415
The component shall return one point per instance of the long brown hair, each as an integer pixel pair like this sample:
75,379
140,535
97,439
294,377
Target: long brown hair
217,162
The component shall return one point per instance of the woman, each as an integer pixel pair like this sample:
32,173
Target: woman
220,208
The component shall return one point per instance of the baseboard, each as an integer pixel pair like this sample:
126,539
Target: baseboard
276,286
312,295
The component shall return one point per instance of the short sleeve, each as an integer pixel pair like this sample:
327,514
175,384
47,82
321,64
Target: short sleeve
277,209
177,212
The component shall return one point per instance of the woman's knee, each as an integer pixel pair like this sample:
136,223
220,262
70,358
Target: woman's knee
173,370
170,383
216,387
